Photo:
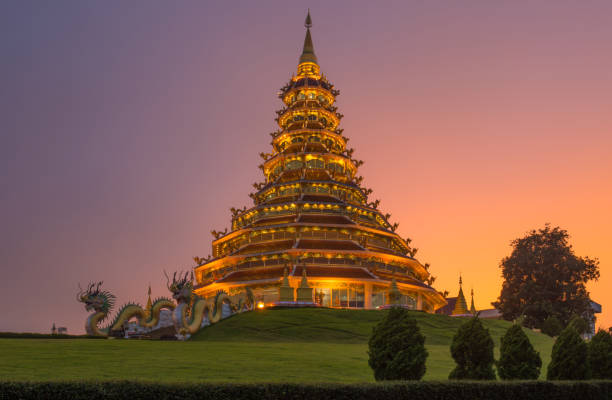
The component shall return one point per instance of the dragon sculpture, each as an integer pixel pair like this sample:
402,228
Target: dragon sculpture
102,302
192,312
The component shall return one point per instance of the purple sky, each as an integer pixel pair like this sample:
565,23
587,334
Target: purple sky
128,130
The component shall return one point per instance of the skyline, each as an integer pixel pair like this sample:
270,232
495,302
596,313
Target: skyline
123,125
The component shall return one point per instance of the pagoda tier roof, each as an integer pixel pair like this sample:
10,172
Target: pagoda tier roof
399,278
333,272
290,198
253,274
276,273
327,244
334,221
286,219
323,198
381,249
350,185
405,261
325,219
266,247
322,131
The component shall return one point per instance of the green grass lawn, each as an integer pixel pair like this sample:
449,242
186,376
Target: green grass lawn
306,345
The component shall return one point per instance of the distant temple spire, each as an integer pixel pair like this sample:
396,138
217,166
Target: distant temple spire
149,304
308,54
461,304
472,308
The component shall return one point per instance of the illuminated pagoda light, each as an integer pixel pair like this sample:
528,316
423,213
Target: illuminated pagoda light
311,217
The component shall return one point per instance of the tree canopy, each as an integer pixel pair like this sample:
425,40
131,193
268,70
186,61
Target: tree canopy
543,277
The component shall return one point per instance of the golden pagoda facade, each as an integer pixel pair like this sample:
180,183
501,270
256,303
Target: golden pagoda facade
311,216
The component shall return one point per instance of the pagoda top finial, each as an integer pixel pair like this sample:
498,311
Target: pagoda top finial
308,55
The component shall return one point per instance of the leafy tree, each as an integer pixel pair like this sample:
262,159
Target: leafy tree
543,277
600,355
518,359
579,324
472,349
397,347
569,357
552,326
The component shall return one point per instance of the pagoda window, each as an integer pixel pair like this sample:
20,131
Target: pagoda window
323,121
335,167
314,139
356,294
298,117
311,96
378,296
301,96
325,295
294,164
315,163
297,139
312,117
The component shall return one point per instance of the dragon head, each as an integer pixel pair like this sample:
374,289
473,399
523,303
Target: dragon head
181,288
95,299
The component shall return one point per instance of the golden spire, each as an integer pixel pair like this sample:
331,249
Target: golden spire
394,296
149,304
304,282
460,304
472,308
308,54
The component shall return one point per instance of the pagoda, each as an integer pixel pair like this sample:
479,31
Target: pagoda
311,222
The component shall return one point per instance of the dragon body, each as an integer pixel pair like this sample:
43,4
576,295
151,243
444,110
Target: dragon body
101,303
192,312
189,313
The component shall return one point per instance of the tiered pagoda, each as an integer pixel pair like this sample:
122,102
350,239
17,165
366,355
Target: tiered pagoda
311,214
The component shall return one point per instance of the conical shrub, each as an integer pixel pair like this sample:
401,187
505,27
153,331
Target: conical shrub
600,355
472,349
569,359
397,348
518,359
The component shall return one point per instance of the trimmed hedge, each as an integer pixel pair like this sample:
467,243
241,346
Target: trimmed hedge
415,390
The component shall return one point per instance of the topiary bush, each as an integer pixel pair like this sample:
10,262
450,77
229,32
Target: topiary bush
472,349
552,326
600,355
518,359
397,347
569,359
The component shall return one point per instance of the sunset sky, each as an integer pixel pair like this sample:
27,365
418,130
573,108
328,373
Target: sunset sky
128,130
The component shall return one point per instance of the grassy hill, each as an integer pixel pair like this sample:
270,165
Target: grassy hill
282,345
